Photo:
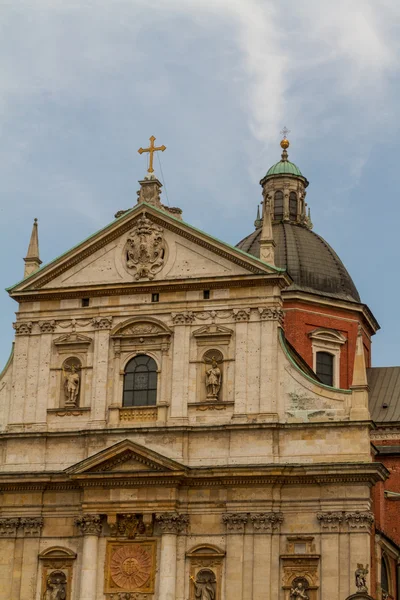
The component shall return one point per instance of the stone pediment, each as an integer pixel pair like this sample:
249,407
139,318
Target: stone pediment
140,327
126,457
145,244
213,331
73,340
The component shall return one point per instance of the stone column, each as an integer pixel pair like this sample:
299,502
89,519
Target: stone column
359,525
331,523
32,529
46,327
264,525
20,364
241,317
235,527
270,318
90,526
170,525
180,367
103,324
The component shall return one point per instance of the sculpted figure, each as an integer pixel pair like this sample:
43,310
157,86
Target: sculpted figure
56,586
299,591
204,585
361,578
71,385
213,380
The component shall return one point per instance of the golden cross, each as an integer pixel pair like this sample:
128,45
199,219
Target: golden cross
151,151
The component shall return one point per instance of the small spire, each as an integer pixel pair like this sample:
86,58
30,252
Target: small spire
285,144
32,260
267,243
258,221
359,387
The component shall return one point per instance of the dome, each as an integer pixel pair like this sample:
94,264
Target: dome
312,264
284,167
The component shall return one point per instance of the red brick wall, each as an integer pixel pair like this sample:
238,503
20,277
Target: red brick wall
387,512
302,318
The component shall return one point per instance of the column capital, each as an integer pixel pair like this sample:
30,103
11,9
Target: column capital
172,522
330,521
9,526
268,522
359,521
31,525
235,522
89,524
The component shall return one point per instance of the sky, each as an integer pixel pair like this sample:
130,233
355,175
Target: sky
85,83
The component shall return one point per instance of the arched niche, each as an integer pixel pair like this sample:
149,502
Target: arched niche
56,565
205,569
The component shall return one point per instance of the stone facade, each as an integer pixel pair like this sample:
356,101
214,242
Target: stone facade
236,494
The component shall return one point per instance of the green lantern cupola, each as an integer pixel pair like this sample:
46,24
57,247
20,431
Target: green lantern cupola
284,192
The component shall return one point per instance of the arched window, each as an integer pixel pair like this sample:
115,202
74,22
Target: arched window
278,205
385,578
324,367
140,382
293,206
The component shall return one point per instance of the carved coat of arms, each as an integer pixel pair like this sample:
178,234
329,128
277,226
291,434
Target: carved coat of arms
145,250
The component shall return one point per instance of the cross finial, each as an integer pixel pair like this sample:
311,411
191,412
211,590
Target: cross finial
285,132
151,149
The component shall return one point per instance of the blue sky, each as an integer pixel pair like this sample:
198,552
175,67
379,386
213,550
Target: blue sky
85,84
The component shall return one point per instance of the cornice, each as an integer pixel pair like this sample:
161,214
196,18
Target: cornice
271,474
129,288
310,298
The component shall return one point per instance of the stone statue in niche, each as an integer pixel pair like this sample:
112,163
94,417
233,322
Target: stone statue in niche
361,578
56,586
71,384
205,585
145,249
298,590
213,380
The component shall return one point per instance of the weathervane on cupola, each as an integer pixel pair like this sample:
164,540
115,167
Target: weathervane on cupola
285,143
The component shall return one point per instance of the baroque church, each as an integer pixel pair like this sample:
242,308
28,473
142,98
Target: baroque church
182,419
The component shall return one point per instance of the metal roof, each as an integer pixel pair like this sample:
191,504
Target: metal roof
313,265
384,396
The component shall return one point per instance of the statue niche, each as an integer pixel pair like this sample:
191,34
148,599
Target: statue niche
205,585
71,381
56,586
298,590
213,375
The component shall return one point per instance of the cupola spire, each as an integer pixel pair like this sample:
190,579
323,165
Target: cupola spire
32,260
267,243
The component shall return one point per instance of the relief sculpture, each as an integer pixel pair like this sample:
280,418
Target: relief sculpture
56,586
298,590
71,384
145,250
204,585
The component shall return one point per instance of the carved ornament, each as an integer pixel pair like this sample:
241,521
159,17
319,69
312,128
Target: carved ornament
70,342
172,522
183,318
271,314
361,578
130,567
359,520
330,521
30,526
241,314
129,525
268,522
9,526
138,415
102,322
89,524
145,249
23,328
140,329
235,521
47,326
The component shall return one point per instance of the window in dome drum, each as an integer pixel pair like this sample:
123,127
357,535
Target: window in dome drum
293,206
324,368
278,205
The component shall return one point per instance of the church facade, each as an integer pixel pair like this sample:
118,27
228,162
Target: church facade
181,419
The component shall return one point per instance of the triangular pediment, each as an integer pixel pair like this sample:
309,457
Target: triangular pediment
127,457
143,245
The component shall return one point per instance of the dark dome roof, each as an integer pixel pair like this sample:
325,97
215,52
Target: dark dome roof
313,265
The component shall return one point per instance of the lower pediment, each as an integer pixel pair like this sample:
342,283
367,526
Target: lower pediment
126,457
